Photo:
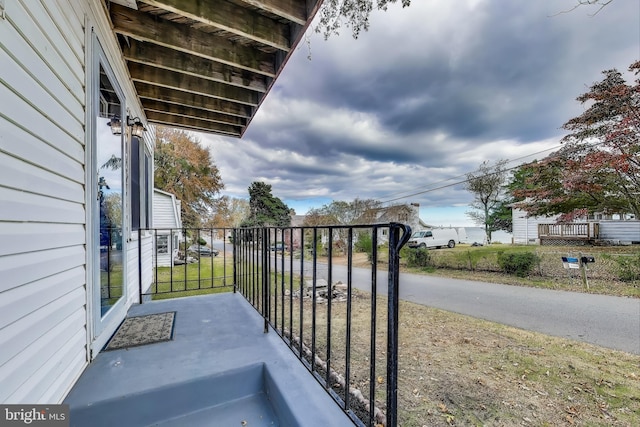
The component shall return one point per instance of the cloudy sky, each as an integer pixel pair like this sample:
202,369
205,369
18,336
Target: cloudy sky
429,93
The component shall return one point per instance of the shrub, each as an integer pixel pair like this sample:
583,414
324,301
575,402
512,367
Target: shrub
517,263
364,244
419,257
201,241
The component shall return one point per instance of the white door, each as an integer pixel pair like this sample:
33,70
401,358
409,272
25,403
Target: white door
106,247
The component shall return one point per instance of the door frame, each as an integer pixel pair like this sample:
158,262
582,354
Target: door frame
100,328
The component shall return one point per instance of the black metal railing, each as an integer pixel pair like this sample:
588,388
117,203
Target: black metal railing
317,287
185,261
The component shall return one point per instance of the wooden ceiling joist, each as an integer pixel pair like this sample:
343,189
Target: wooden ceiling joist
184,122
173,80
207,65
194,113
142,26
173,60
291,10
245,23
149,92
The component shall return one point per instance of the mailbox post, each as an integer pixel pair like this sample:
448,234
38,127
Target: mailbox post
579,262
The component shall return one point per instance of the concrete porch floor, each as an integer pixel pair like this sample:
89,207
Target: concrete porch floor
220,369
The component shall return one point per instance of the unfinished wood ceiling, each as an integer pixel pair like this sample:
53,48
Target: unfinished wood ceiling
207,65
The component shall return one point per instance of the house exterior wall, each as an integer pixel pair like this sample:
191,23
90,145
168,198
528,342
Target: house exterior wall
622,231
525,228
45,292
166,216
408,214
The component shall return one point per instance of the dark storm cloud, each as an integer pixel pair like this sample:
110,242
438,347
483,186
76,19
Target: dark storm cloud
502,79
428,94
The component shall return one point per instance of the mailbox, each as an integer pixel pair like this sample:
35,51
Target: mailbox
569,262
587,259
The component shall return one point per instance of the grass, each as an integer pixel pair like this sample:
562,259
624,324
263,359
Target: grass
208,275
111,285
457,370
615,272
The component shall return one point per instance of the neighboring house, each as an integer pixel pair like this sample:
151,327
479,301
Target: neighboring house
167,224
293,237
525,227
408,214
615,229
78,82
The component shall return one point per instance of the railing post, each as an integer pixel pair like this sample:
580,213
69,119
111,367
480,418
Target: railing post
139,266
265,279
235,259
396,242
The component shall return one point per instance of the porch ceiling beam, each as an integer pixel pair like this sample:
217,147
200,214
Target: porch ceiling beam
174,80
172,96
173,60
232,18
290,10
194,124
141,26
193,113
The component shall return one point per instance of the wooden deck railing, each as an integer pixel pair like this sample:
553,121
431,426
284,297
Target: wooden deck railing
573,231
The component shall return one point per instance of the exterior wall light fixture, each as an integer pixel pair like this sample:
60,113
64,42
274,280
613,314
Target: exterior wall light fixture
137,128
116,125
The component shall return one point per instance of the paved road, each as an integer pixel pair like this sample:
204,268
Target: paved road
607,321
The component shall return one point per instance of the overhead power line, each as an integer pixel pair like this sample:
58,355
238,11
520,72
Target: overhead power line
465,180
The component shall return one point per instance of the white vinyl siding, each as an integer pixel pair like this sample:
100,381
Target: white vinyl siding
525,229
43,195
43,332
133,278
622,231
166,215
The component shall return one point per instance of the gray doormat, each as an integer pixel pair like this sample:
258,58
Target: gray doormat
142,330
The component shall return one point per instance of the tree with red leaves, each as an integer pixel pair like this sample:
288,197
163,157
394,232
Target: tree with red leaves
598,167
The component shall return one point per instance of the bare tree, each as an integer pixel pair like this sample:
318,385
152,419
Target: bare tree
486,184
598,4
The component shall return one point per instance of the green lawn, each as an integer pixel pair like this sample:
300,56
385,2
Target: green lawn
208,275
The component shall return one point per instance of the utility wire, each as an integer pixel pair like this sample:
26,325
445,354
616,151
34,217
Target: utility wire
430,189
464,175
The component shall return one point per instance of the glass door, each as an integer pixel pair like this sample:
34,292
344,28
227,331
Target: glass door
109,161
106,245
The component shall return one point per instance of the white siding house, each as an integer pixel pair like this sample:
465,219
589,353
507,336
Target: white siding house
620,231
525,227
408,214
167,223
78,79
54,313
